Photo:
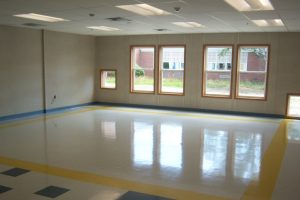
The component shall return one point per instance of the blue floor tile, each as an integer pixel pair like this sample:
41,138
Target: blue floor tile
140,196
15,172
4,189
52,191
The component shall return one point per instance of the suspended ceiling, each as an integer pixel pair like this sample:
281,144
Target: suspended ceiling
216,15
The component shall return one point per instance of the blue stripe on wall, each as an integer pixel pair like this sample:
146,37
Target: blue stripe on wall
224,112
40,112
62,109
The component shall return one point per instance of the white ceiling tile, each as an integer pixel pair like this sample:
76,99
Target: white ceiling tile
286,4
210,6
289,14
274,29
248,29
228,16
158,1
262,15
73,15
294,29
294,22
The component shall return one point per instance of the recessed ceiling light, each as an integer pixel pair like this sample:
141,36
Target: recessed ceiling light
103,28
40,17
188,24
269,22
250,5
143,9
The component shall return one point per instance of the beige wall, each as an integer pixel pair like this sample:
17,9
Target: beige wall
69,70
284,70
21,88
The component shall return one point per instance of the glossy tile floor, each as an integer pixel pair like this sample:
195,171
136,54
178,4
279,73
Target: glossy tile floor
111,153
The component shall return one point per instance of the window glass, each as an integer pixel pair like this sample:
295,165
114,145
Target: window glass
252,72
108,79
293,106
172,69
217,71
142,69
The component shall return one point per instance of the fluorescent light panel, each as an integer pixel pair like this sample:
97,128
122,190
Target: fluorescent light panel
143,9
269,22
188,24
39,17
250,5
103,28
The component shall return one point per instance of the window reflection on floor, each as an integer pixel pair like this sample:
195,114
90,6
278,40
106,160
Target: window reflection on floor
247,155
214,153
108,129
293,128
143,143
171,145
225,154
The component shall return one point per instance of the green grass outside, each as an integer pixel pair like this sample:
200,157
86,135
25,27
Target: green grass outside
177,83
110,80
143,81
243,84
252,85
217,84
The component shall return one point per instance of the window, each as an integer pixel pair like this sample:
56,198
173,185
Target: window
108,79
217,70
252,72
293,106
171,69
142,69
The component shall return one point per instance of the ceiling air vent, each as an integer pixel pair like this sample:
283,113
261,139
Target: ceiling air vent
118,19
33,25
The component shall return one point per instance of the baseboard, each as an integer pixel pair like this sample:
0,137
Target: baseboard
224,112
40,112
59,109
21,115
65,108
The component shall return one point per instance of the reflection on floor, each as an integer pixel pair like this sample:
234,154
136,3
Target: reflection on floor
108,151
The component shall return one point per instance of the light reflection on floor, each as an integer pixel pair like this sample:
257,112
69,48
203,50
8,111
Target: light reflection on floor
205,155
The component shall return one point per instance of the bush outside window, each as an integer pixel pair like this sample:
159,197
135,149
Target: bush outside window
142,69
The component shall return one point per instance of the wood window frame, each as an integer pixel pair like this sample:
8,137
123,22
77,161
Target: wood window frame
102,80
160,47
287,106
203,93
236,96
131,71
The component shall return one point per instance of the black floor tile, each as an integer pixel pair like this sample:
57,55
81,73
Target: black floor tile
15,172
4,189
140,196
52,191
